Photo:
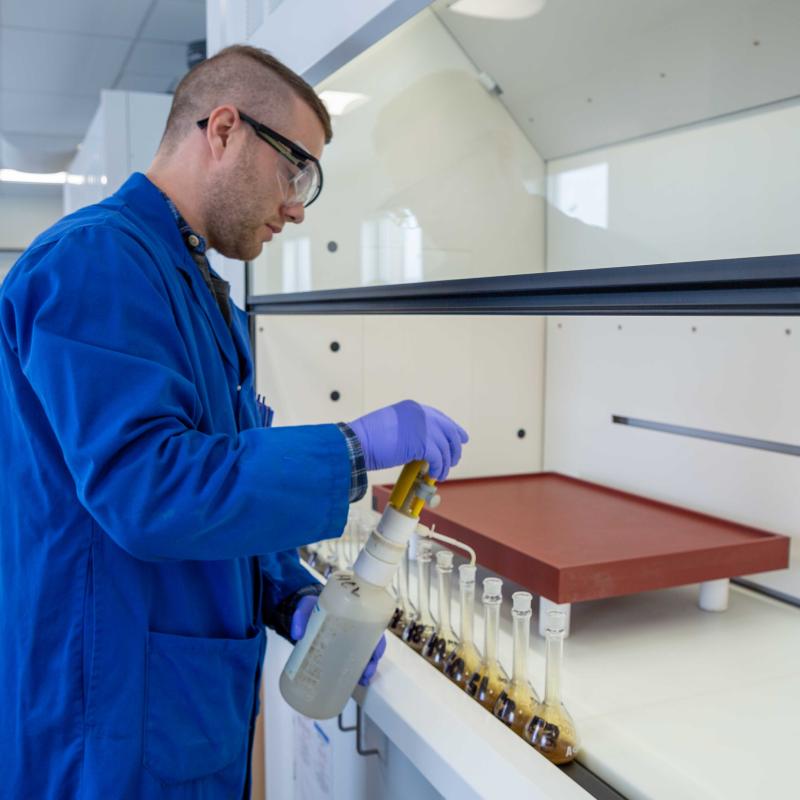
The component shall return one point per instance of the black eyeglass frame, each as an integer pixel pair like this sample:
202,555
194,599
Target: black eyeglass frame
295,155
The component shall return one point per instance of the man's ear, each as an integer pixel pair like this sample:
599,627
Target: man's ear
222,122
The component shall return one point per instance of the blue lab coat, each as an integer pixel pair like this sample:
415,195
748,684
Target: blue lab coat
145,515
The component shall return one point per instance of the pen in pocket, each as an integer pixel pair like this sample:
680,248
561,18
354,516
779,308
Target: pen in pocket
265,412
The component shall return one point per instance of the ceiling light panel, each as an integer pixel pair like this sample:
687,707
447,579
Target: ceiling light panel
15,176
339,103
497,9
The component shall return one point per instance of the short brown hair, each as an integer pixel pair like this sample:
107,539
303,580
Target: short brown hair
247,77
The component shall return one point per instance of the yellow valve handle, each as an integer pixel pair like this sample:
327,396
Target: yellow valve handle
418,503
405,486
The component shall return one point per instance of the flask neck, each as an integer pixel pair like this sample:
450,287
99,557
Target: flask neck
522,640
424,572
491,616
467,598
444,600
403,585
554,655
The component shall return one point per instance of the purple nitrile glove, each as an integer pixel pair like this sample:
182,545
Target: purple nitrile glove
408,431
305,605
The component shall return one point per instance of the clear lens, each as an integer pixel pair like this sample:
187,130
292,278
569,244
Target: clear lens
300,188
304,185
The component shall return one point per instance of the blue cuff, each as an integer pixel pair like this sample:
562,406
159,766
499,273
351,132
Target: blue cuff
358,467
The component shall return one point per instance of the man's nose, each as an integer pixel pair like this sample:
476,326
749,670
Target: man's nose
294,212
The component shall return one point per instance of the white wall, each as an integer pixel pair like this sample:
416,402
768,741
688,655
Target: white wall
25,211
24,216
727,189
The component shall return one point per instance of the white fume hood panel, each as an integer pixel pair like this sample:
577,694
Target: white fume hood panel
122,138
581,74
313,37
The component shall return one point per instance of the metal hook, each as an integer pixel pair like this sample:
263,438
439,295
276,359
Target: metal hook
342,727
358,728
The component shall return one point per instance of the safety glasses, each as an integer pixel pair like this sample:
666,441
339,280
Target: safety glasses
305,182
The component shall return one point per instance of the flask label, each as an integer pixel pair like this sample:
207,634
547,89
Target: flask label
414,634
304,645
542,734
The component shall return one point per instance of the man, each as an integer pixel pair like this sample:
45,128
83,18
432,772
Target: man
148,520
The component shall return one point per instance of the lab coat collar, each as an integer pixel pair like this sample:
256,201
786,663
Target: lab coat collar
144,200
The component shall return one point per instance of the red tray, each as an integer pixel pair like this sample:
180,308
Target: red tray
571,540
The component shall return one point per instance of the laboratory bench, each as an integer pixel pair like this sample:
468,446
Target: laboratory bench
670,702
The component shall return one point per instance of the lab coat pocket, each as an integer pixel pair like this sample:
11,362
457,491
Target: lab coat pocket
199,701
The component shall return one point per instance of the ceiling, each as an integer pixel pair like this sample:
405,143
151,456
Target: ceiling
582,74
56,56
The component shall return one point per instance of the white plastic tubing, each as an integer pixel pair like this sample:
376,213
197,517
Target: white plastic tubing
431,533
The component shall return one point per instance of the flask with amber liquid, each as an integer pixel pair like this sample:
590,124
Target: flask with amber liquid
463,661
551,729
518,698
419,630
405,612
443,641
489,678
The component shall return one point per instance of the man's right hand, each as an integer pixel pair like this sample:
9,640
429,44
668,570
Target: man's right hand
408,431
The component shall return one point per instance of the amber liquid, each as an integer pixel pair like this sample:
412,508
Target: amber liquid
553,735
485,685
438,649
417,634
515,706
398,623
462,663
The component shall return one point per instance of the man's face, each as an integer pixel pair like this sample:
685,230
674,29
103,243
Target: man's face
246,201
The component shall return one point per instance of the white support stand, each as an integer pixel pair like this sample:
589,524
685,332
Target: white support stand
714,595
546,605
